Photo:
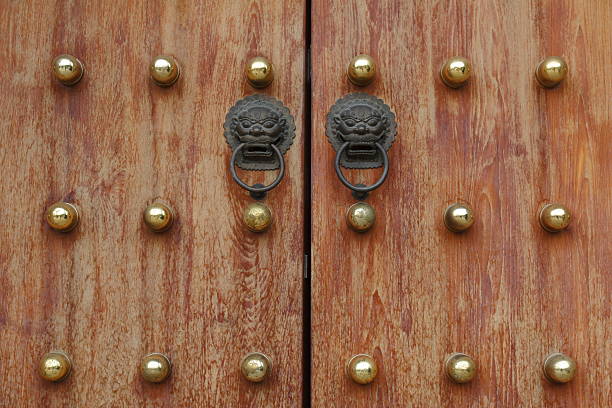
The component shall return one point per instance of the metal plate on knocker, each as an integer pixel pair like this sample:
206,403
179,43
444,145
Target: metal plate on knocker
363,121
257,122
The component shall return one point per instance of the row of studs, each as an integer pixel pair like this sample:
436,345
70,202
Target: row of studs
259,71
164,70
459,217
256,367
154,368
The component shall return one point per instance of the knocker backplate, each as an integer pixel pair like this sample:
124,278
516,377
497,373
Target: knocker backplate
257,121
362,120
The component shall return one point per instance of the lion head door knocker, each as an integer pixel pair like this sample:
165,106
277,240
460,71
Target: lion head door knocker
361,128
260,130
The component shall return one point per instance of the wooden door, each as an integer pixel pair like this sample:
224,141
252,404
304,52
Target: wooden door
205,292
409,292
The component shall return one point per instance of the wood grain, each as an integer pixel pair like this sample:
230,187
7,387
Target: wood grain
207,291
410,292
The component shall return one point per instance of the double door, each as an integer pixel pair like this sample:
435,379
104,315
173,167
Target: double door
309,292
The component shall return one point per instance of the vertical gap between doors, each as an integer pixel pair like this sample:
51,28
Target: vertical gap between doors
307,137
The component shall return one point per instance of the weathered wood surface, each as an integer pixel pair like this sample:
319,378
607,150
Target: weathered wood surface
207,291
508,293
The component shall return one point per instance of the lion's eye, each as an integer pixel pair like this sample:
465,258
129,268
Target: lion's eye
245,123
269,124
373,122
349,122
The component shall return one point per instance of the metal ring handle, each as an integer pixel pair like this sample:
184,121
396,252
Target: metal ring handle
254,189
362,189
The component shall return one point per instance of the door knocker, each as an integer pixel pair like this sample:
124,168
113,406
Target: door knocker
260,130
361,128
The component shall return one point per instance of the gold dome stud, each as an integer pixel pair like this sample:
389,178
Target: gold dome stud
62,217
362,369
259,72
257,217
54,366
460,368
458,217
551,72
164,70
67,69
361,70
158,217
559,368
361,216
455,72
256,367
155,367
554,217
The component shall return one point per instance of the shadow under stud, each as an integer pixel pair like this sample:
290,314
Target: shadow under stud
259,72
456,72
361,70
164,70
62,216
551,72
67,69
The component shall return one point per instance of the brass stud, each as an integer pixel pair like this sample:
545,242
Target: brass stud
164,70
554,217
67,69
551,71
62,216
458,217
559,368
455,72
158,217
361,70
257,217
259,72
361,216
256,367
54,366
460,368
155,367
362,369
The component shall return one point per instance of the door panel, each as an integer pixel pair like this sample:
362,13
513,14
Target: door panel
205,292
409,291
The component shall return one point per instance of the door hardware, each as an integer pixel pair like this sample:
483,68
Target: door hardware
554,217
559,368
259,72
256,367
164,70
361,70
158,217
458,217
62,216
55,366
455,72
362,369
361,128
260,130
551,72
155,368
460,368
67,69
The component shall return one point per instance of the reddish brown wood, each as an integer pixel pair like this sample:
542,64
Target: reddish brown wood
409,291
207,291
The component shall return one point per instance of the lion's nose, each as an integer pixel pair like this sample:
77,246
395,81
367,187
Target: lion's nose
361,130
258,130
